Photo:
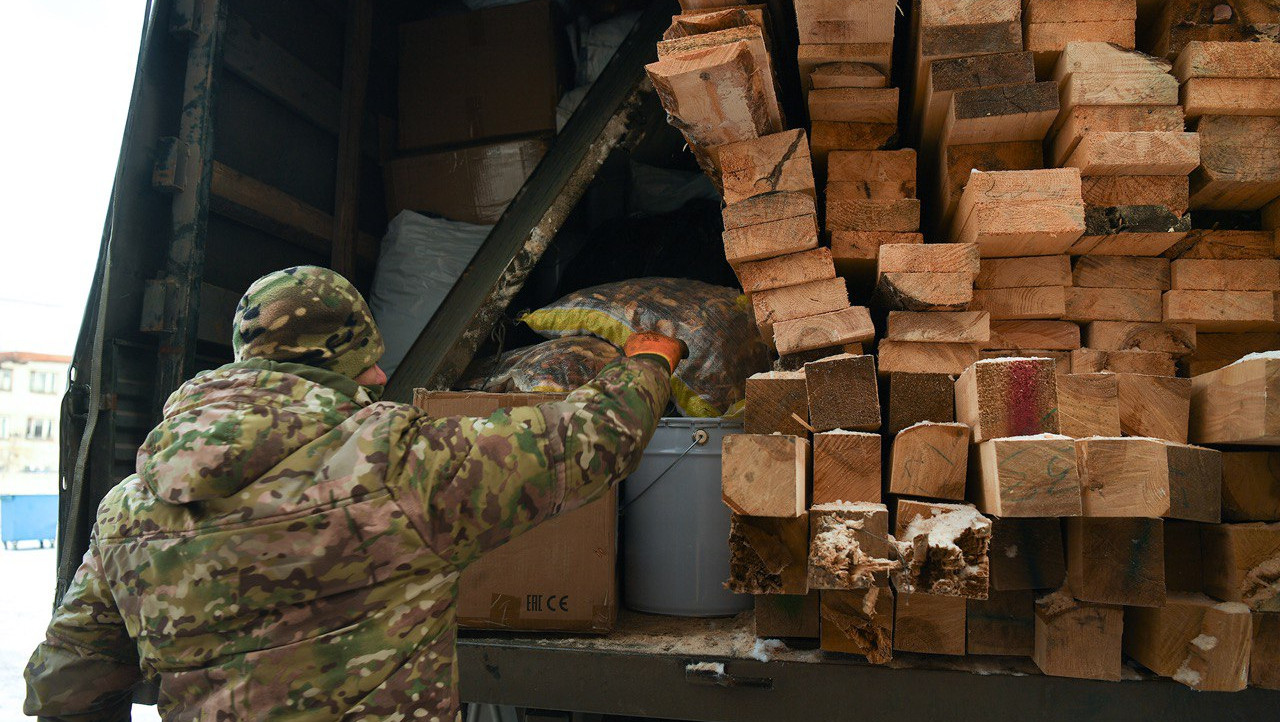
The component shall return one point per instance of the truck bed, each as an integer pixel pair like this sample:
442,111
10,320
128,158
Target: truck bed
667,667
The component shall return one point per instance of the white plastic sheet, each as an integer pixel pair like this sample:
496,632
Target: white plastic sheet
420,260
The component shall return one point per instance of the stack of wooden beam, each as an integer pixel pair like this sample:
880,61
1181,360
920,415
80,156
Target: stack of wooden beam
1019,469
1231,92
976,103
1121,126
844,60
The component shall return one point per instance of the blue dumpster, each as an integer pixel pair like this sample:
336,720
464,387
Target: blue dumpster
28,517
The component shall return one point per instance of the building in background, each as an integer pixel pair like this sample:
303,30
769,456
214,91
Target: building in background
31,389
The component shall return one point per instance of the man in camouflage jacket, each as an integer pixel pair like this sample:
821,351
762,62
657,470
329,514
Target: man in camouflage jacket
290,549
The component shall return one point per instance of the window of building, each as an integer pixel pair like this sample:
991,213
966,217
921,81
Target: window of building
6,379
45,382
38,428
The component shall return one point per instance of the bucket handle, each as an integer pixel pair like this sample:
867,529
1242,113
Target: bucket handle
700,438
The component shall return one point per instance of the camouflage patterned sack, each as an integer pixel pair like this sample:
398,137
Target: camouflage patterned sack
716,322
557,366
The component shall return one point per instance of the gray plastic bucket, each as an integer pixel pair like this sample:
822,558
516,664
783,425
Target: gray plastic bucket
675,532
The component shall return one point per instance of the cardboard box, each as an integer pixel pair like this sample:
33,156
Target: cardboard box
474,185
479,75
559,576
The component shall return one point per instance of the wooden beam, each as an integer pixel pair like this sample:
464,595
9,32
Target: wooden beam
606,119
930,460
1027,554
1193,639
1029,476
1116,561
355,80
1240,562
846,467
765,474
1008,397
1078,639
768,555
774,400
1237,404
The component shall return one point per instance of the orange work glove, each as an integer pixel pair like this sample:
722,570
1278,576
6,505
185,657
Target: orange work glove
647,343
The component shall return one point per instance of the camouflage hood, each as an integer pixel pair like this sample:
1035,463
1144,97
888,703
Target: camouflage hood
226,428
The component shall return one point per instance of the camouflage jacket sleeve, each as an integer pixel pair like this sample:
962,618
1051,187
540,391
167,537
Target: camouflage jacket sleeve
477,483
87,666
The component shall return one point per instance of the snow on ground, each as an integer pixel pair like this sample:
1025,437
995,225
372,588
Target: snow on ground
27,575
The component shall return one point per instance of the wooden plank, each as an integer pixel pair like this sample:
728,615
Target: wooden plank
1240,562
1008,397
1092,360
996,28
884,174
1027,554
843,393
1078,639
929,624
1206,274
826,136
943,549
855,252
774,400
1223,311
790,302
1136,153
777,162
498,270
1225,245
1028,272
948,75
750,37
849,546
706,21
1237,404
809,56
846,467
929,258
770,239
768,555
925,358
767,208
1171,192
1116,561
1195,640
1004,304
1239,163
1004,230
1048,335
923,291
1118,88
1264,663
939,326
1123,272
790,270
1195,483
1178,339
1113,304
1088,405
833,21
1028,476
1208,59
854,105
1155,406
930,460
847,75
1231,96
825,330
1251,486
859,622
901,215
765,475
1082,11
1002,624
739,109
917,397
1003,114
786,616
355,80
1104,57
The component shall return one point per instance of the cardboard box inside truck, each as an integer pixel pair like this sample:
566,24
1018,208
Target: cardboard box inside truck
561,575
486,74
473,185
